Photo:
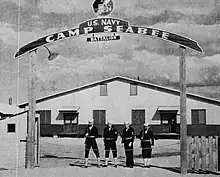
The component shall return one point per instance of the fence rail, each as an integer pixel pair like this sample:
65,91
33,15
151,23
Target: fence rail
203,153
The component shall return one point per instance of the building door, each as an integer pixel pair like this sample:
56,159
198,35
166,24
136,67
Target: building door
172,124
137,118
70,122
169,121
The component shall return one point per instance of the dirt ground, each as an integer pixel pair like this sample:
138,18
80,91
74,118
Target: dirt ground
64,157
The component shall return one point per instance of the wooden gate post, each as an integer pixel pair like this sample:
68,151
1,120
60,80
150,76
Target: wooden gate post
31,111
183,122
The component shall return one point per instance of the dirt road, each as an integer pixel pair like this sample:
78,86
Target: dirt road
64,158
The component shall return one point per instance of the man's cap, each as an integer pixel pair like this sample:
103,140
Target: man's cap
110,122
146,124
126,122
91,120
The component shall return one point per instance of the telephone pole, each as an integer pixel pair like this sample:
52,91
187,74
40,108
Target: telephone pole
183,122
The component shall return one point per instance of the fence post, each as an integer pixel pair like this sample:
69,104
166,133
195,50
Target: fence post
197,153
193,153
203,152
190,142
210,153
217,154
207,152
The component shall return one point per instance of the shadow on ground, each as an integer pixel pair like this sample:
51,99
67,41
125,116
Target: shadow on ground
80,163
164,154
56,157
122,164
177,170
94,164
3,169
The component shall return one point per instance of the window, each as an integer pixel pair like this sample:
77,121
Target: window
103,90
138,116
198,116
45,116
99,116
133,89
11,128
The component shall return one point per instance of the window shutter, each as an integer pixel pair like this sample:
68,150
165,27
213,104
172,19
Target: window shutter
134,117
195,117
45,116
48,117
42,117
141,117
96,116
102,117
202,117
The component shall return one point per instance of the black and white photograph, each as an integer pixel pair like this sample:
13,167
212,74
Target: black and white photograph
106,88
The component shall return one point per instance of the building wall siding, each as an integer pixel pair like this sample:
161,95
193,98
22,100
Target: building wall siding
203,130
12,151
118,104
192,130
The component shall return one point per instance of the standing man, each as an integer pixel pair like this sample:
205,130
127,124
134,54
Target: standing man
91,133
147,140
110,137
128,140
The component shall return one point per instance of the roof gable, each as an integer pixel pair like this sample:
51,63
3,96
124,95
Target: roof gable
126,80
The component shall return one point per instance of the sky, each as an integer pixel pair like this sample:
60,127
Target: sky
79,62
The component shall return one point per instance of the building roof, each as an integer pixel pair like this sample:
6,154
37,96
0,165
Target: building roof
126,80
8,109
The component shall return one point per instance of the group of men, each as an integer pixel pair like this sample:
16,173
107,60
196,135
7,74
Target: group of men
110,137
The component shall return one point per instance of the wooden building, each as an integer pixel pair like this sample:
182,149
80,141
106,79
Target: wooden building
13,133
122,99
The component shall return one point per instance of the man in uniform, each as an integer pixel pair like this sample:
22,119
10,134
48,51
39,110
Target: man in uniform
110,137
91,133
147,140
128,140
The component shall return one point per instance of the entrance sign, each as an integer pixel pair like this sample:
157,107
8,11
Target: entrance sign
109,25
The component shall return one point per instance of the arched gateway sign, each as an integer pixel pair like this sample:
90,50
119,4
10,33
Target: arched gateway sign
108,25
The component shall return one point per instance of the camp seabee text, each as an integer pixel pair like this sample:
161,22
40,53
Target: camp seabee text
106,25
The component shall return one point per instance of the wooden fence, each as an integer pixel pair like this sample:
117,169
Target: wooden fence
203,153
